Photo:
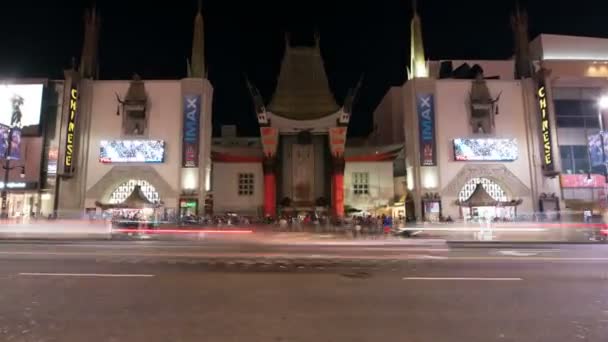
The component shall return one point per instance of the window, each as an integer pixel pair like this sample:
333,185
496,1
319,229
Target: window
361,183
575,159
246,182
577,111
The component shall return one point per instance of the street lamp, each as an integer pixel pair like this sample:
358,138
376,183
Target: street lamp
7,168
17,102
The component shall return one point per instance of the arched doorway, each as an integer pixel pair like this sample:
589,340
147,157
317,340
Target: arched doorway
487,204
122,191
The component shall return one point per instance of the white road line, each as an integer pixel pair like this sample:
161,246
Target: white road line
118,275
430,257
462,278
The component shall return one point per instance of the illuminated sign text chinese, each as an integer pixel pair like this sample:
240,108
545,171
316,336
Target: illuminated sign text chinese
70,132
545,127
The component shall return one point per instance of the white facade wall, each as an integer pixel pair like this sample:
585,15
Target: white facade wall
225,188
381,184
452,113
164,113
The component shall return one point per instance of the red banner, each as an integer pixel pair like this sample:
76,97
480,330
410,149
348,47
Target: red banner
582,181
270,140
337,141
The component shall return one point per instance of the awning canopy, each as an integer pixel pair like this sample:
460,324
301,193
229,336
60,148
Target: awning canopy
481,198
136,200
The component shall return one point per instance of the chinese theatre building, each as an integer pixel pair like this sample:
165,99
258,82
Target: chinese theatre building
115,136
481,143
303,162
469,139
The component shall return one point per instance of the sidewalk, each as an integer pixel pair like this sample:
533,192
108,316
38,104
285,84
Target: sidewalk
54,229
421,234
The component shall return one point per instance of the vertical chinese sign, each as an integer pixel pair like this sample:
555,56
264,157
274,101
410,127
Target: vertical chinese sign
548,162
70,138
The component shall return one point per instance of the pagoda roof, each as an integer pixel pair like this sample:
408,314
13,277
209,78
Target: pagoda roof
303,91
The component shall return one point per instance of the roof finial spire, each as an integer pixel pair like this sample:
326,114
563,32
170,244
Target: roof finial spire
197,60
418,65
519,25
89,55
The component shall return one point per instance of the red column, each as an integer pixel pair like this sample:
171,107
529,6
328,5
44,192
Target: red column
337,182
270,189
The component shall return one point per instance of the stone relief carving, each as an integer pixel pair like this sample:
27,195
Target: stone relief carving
482,106
497,172
119,174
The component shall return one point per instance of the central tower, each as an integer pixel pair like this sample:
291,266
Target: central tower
303,132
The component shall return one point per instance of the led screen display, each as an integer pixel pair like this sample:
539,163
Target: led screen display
132,151
20,105
489,149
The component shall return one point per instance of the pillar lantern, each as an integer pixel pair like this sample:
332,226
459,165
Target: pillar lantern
337,142
270,141
270,187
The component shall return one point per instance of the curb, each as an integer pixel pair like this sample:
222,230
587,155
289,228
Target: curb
480,244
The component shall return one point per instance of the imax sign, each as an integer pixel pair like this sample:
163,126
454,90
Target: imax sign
191,128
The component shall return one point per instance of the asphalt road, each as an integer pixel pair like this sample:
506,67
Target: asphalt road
180,291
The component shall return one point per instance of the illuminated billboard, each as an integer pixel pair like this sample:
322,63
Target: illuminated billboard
132,151
488,149
15,145
20,105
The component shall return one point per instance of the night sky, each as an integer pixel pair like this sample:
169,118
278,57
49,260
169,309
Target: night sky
38,39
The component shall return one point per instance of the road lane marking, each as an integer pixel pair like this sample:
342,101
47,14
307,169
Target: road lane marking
462,278
117,275
430,257
518,253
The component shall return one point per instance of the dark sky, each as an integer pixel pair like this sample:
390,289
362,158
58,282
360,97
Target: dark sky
39,37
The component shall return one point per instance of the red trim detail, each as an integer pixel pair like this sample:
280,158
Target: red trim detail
229,158
181,231
270,195
338,194
372,157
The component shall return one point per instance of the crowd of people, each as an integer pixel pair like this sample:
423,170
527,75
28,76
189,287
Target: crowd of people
381,224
